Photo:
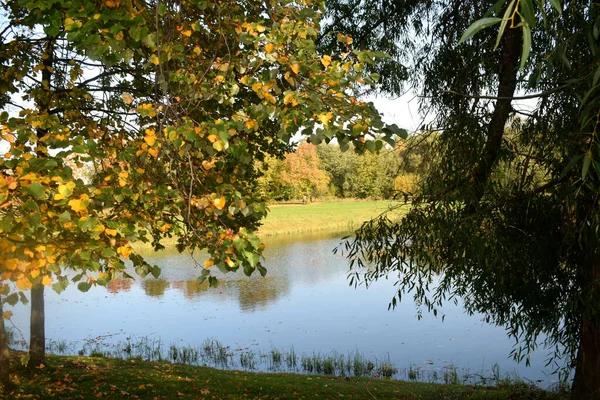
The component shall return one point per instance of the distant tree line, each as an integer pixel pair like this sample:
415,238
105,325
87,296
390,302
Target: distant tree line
326,170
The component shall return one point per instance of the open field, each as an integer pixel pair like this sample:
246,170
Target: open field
104,378
335,216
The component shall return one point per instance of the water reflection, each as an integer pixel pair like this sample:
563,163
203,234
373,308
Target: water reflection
304,302
155,287
119,285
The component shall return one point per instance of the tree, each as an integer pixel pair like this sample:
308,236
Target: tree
170,102
519,247
301,171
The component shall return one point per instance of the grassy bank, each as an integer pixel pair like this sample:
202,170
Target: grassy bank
341,216
94,378
334,216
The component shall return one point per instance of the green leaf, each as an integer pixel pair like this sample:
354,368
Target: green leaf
12,299
586,164
570,165
58,287
596,76
262,270
108,252
36,190
557,6
526,45
64,217
252,258
477,26
23,298
84,286
527,12
505,20
155,271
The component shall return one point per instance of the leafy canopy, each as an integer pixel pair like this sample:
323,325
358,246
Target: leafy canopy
170,103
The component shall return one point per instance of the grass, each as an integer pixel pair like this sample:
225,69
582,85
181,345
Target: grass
332,216
337,216
69,377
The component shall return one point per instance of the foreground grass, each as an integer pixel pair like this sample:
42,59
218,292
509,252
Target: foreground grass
94,378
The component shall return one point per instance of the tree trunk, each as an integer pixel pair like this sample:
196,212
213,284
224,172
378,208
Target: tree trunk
586,385
4,353
37,336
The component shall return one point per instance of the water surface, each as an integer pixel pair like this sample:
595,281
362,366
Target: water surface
304,302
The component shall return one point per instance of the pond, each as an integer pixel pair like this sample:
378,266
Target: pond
304,307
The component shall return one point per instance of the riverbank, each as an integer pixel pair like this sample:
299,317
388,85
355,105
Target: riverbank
105,378
326,216
337,216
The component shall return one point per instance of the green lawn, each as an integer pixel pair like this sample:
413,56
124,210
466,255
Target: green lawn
333,216
339,216
100,378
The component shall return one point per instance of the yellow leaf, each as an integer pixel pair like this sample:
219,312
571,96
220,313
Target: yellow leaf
23,283
326,61
165,227
245,79
110,232
289,98
296,68
208,164
257,86
208,263
269,97
46,280
153,152
212,138
219,203
197,50
113,3
269,47
154,60
187,33
124,251
7,314
260,28
79,205
325,118
251,124
219,145
64,191
35,273
69,22
229,262
31,176
9,137
150,137
147,109
127,98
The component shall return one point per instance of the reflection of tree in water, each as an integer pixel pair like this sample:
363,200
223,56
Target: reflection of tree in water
119,285
191,288
255,294
155,287
252,293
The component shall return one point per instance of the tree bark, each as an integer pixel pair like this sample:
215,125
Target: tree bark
4,352
507,82
586,384
37,332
